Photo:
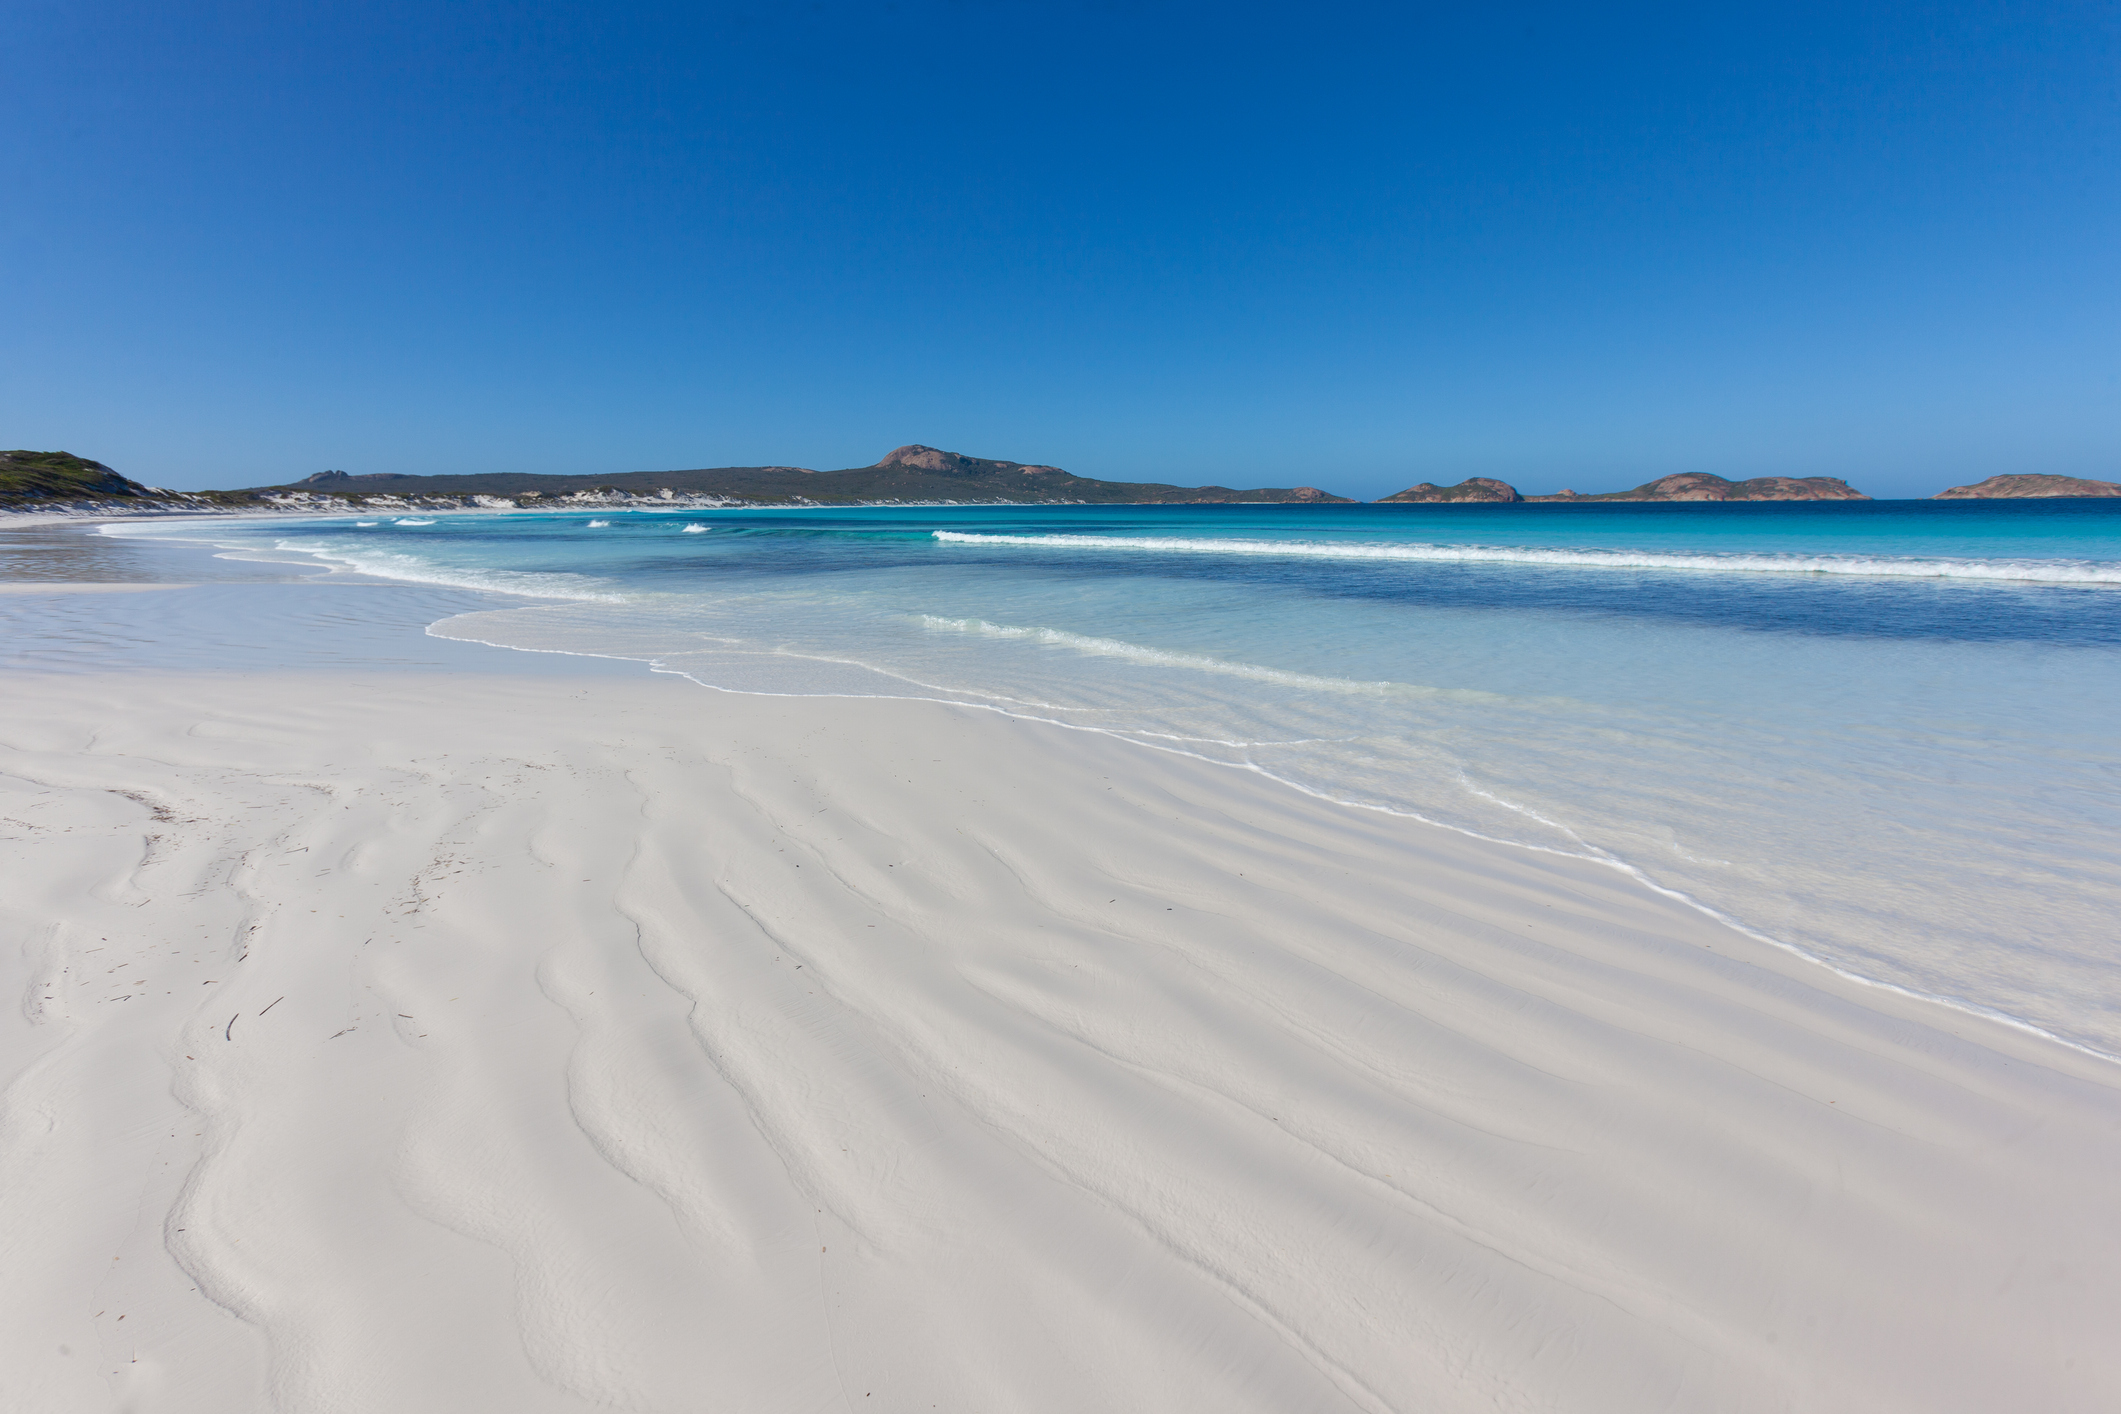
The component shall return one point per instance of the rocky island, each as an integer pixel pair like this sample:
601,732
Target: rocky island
2029,484
1683,486
1473,489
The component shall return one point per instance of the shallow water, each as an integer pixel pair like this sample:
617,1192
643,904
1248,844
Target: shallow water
1882,733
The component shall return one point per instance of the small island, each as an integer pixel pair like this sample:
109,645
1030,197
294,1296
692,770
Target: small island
1474,489
1682,486
2020,485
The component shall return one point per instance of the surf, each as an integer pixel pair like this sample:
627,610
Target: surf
2071,572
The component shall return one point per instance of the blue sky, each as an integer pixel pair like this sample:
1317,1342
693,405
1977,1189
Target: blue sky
1348,246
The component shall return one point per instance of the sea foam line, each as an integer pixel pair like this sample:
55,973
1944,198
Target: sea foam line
1167,658
1896,566
386,564
397,565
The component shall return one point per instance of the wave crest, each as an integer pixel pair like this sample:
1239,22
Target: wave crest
2074,572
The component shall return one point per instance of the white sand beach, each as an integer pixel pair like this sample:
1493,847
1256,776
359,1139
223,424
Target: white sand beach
475,1041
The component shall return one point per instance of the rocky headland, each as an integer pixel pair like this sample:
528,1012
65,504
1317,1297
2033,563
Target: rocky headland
45,481
909,475
2029,484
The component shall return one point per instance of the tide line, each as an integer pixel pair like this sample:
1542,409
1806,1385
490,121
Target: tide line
1198,662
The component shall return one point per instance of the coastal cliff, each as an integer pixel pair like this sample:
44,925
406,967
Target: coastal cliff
2029,485
1683,486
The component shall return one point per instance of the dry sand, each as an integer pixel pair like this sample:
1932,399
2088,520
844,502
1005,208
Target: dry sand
460,1042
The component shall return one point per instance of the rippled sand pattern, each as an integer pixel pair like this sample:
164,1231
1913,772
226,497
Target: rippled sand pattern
409,1042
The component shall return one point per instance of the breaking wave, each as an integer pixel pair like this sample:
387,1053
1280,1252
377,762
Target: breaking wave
2074,572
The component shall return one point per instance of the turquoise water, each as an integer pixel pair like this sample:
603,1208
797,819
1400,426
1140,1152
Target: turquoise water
1879,733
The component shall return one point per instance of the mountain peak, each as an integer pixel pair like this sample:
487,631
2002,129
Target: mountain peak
920,458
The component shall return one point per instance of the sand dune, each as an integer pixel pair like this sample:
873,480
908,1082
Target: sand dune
479,1043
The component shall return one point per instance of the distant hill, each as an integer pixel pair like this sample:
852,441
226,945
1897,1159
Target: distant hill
2030,484
1705,486
1473,488
62,476
1684,486
910,473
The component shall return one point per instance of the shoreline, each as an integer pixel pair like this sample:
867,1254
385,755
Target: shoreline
1632,872
550,1036
100,513
332,570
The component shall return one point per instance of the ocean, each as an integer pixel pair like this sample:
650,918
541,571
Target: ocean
1881,734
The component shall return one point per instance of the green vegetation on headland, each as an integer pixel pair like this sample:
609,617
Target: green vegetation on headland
908,474
911,475
61,474
63,481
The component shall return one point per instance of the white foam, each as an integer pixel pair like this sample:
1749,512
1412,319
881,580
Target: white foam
598,524
2087,572
695,530
412,522
1166,658
389,564
372,559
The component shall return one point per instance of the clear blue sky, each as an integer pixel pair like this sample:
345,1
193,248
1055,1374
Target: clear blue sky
1350,246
